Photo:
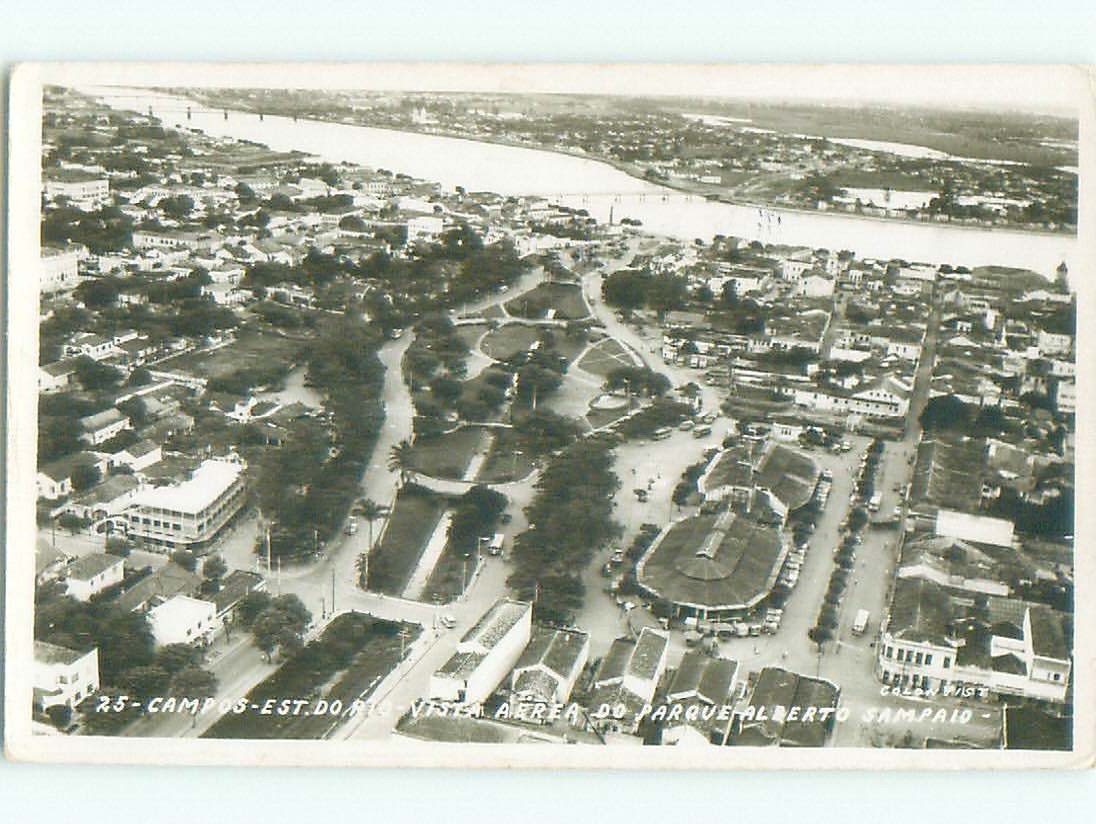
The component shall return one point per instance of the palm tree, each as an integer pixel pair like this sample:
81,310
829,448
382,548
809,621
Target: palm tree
400,460
371,511
361,564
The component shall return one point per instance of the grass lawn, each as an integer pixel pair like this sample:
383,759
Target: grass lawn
503,462
603,417
446,582
565,298
410,526
344,664
606,356
447,456
505,342
470,334
250,349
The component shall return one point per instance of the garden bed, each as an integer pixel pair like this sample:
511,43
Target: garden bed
412,522
448,455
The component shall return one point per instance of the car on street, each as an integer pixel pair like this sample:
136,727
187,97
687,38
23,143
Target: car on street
448,621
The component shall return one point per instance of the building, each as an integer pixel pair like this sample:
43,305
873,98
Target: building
183,620
102,426
138,456
93,573
163,584
424,227
547,670
192,513
951,563
59,269
713,567
787,709
234,588
935,639
704,688
626,680
56,376
91,345
63,677
54,479
978,528
106,499
486,653
82,189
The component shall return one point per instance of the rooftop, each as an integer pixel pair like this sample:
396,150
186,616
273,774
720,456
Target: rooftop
921,611
710,562
558,650
181,609
87,567
647,654
495,623
207,483
790,475
101,420
167,581
46,653
235,586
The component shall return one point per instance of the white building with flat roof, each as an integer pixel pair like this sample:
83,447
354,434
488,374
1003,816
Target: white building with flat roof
183,620
87,191
192,513
59,269
979,528
63,676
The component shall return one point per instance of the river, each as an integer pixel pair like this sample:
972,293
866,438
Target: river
600,188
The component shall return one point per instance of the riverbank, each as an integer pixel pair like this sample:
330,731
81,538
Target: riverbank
679,187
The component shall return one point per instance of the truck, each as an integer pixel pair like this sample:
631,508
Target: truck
875,502
494,546
860,623
351,525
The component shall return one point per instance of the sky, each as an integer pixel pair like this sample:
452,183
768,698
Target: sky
1053,89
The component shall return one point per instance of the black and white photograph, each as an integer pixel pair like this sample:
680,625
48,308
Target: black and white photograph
409,414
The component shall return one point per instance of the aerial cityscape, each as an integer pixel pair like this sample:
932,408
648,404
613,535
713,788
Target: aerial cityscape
506,418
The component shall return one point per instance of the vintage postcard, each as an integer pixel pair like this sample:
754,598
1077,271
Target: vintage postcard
662,416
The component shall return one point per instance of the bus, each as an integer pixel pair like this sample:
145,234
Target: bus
860,623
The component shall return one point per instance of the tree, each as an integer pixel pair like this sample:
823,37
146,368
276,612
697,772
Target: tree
85,476
281,625
139,377
173,658
193,682
73,523
118,545
361,566
185,558
400,459
372,511
945,412
144,682
251,606
96,377
213,570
